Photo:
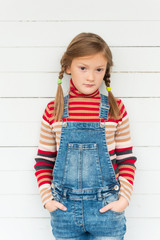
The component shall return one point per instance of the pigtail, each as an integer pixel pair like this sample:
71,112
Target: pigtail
114,110
59,99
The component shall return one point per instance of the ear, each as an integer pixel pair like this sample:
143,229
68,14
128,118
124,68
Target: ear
68,70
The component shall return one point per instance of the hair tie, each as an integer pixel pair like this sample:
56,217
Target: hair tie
59,81
108,89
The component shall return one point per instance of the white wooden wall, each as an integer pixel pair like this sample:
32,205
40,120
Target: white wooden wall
33,36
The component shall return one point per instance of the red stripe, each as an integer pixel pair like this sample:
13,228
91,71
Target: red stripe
84,103
126,169
127,161
45,176
45,152
112,151
44,182
84,108
43,163
130,181
87,120
123,149
125,175
43,171
84,114
114,165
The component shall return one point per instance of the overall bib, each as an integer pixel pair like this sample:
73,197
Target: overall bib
84,181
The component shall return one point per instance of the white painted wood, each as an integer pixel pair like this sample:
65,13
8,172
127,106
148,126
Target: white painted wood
85,10
136,33
126,59
143,228
25,228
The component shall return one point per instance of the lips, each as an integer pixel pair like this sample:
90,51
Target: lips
88,85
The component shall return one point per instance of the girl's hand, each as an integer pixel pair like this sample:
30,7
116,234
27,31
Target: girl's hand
53,205
117,206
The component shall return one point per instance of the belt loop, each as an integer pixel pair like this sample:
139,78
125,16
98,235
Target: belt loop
64,193
99,194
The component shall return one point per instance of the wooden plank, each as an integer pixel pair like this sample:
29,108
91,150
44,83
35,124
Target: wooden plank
143,228
137,33
25,228
107,10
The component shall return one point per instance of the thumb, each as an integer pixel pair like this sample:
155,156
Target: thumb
106,208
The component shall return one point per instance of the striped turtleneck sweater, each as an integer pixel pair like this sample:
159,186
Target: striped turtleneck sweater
85,108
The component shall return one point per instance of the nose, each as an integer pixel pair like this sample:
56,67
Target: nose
90,76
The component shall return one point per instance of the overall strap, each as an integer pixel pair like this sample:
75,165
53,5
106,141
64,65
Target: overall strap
65,111
103,108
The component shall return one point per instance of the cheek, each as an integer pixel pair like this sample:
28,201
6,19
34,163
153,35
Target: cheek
99,81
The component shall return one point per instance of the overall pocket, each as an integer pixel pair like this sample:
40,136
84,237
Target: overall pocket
82,166
111,197
58,198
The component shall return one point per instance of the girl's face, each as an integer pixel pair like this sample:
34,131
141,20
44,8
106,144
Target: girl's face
88,72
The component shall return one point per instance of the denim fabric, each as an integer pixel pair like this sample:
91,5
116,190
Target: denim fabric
84,181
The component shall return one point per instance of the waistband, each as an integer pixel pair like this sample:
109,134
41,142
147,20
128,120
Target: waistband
91,193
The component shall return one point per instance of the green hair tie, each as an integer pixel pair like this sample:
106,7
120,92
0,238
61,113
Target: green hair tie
108,89
59,81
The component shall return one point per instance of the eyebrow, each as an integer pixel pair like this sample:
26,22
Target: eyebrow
88,66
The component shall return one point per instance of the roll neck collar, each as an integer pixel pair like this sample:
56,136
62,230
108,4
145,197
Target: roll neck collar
73,91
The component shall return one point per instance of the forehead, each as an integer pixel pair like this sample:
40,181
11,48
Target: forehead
97,58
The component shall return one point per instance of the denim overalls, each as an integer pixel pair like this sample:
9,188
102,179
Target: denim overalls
84,181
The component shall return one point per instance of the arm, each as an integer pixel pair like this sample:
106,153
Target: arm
46,157
125,161
125,158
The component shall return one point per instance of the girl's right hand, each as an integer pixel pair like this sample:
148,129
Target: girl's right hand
53,205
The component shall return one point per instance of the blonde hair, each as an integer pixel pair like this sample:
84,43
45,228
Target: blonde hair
85,44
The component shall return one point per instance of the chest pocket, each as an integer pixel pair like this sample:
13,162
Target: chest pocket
82,166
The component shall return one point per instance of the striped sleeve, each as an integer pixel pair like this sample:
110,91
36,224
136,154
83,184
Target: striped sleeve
125,158
46,157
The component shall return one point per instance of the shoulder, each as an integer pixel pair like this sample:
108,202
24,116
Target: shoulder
50,105
48,111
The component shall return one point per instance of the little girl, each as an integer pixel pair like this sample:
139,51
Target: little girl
85,166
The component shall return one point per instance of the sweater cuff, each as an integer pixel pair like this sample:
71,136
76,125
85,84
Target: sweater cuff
126,188
46,194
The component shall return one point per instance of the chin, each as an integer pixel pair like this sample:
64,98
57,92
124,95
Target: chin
88,92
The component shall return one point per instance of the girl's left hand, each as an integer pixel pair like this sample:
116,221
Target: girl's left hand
117,206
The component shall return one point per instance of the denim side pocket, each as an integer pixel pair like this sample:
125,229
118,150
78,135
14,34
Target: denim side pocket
56,197
111,197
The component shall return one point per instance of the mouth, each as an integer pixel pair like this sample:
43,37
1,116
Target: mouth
89,85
